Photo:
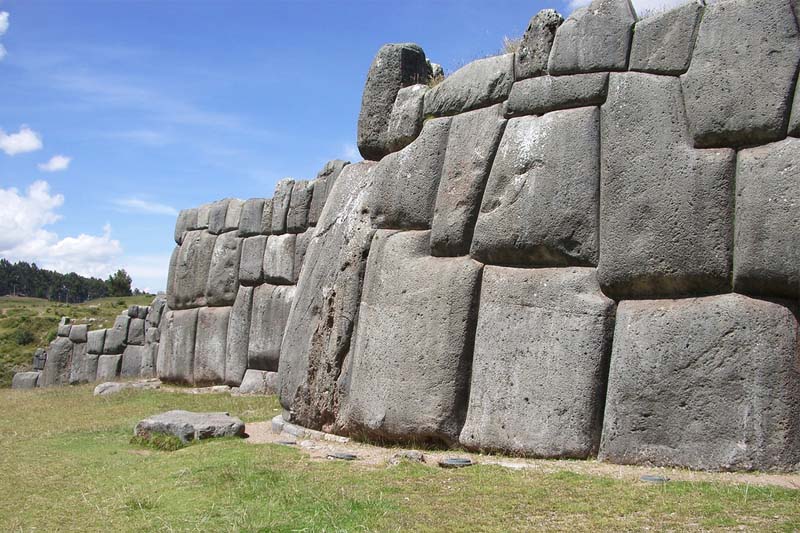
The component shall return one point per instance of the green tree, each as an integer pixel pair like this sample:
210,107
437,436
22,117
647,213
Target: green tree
119,283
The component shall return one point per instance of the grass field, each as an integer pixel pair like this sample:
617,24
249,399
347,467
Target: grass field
68,464
30,323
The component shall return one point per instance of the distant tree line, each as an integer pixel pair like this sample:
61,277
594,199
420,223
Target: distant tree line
27,279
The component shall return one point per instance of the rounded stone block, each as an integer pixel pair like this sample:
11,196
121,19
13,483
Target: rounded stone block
95,341
541,95
663,43
78,367
108,367
223,273
210,345
78,333
132,361
270,311
299,205
58,364
279,259
187,220
136,330
251,217
117,335
478,84
192,265
533,54
25,380
280,205
216,216
405,121
251,268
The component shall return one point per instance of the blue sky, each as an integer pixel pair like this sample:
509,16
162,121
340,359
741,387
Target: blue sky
115,114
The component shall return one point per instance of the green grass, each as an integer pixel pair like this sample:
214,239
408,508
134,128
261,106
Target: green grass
68,464
34,322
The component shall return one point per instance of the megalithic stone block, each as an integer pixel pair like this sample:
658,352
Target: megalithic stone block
413,347
704,383
238,339
223,274
251,218
280,205
172,296
279,259
156,310
210,345
78,333
95,341
132,361
108,367
299,205
117,335
25,380
149,358
192,270
233,214
663,43
541,95
59,360
251,268
136,328
322,184
541,356
216,216
266,218
77,372
177,363
533,54
187,220
405,121
270,311
203,213
300,249
165,357
478,84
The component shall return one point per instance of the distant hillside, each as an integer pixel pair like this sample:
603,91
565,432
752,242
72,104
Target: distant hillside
28,280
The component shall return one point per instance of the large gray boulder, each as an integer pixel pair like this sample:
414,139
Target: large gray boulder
25,380
233,215
271,306
409,379
300,203
211,342
766,257
238,339
77,367
132,361
478,84
259,382
203,213
78,333
177,362
533,54
666,214
280,205
192,265
117,335
322,184
738,88
539,370
279,259
136,327
189,426
108,367
187,220
251,217
300,249
541,203
216,216
251,267
405,121
59,360
471,147
395,66
266,217
223,274
663,44
594,38
406,182
704,383
95,341
320,325
540,95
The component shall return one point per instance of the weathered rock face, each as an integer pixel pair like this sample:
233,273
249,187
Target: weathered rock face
117,336
238,337
708,383
259,382
663,44
299,205
177,363
25,380
210,344
478,84
280,205
324,182
136,327
251,217
132,361
108,367
223,273
78,333
95,340
279,259
78,368
216,216
271,306
251,267
189,426
534,50
191,270
549,93
187,220
57,367
405,121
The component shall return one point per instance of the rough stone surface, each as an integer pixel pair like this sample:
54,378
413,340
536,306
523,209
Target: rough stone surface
266,218
203,213
238,338
182,328
280,205
132,361
152,335
271,305
548,93
63,330
233,214
192,266
25,380
540,206
115,387
156,310
534,51
251,217
300,249
78,369
149,360
116,336
166,345
187,220
594,38
259,382
279,259
663,44
78,333
411,360
539,370
95,341
767,241
223,274
746,51
210,344
405,121
320,324
471,148
108,367
406,182
216,216
704,383
136,328
39,357
189,426
394,67
251,267
479,84
660,237
300,203
322,184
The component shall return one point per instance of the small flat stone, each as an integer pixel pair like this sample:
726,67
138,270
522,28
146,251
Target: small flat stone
189,426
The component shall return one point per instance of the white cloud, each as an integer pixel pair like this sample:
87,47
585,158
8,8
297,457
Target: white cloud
56,163
149,272
25,140
3,22
23,236
143,206
3,52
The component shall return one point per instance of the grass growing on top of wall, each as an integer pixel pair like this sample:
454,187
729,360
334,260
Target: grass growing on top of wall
68,464
30,323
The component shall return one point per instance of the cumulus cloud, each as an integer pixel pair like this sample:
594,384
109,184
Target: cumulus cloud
23,236
56,163
25,140
3,22
143,206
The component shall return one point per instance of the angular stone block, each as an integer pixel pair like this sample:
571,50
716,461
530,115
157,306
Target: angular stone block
704,383
156,310
223,274
739,85
259,382
471,147
548,93
251,268
297,216
152,335
250,220
410,368
663,44
149,359
187,220
233,214
300,249
210,345
77,371
279,259
478,84
90,367
266,218
238,337
533,54
270,311
63,330
171,272
405,121
108,367
191,270
177,365
216,216
666,213
25,380
322,184
406,182
136,328
165,355
541,356
189,426
116,336
132,361
59,360
395,66
95,341
280,205
594,38
78,333
766,257
541,202
203,213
